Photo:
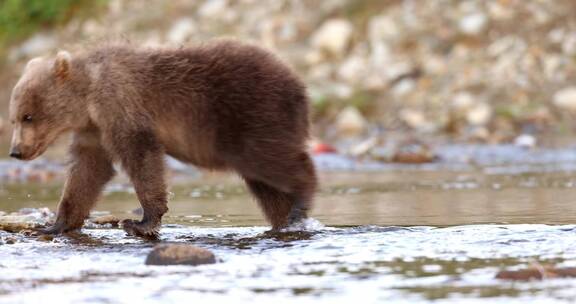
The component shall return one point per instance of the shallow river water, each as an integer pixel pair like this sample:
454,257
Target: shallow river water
379,234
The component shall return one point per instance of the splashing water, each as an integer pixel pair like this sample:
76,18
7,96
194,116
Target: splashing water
307,224
331,264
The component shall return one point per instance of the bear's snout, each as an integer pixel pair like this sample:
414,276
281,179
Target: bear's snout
15,152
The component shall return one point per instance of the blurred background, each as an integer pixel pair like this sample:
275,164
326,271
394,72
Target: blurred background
488,71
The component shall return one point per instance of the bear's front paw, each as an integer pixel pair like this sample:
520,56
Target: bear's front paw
57,228
143,229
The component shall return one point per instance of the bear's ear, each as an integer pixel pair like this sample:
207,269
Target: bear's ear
62,65
33,62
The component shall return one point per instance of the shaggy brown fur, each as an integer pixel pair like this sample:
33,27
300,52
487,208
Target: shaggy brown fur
223,105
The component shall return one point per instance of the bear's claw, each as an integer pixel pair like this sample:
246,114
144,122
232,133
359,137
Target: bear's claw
145,230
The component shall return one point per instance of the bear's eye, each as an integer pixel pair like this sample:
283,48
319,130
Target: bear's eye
27,118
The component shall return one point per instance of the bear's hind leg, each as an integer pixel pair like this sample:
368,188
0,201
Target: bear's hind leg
287,194
275,204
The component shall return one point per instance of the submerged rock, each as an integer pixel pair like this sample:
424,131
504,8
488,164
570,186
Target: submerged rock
537,273
179,254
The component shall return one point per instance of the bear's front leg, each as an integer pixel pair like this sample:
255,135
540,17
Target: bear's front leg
142,157
90,169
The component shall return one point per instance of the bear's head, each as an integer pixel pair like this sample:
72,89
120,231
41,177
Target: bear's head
44,104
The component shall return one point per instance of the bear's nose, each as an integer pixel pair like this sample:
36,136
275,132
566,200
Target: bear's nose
15,152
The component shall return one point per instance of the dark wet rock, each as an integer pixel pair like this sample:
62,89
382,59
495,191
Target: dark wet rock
10,240
289,236
83,239
179,254
537,273
45,238
29,232
106,220
270,239
414,152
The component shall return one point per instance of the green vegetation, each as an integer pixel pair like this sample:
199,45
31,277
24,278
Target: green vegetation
20,18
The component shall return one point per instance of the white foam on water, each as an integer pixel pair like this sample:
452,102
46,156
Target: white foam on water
334,265
307,224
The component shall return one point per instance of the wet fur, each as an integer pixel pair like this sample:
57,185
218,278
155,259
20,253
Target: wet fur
222,106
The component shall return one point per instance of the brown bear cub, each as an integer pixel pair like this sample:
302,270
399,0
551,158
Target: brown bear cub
222,105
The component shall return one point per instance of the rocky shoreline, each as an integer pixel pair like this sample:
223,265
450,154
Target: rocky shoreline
460,68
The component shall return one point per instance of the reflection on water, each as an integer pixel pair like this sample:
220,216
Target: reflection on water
385,198
394,236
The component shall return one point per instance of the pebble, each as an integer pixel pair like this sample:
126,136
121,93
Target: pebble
181,31
179,254
217,10
566,99
415,119
333,36
525,141
480,114
473,24
350,122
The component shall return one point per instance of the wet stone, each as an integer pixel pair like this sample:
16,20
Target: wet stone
105,220
179,254
15,224
537,273
29,232
46,238
25,219
414,152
